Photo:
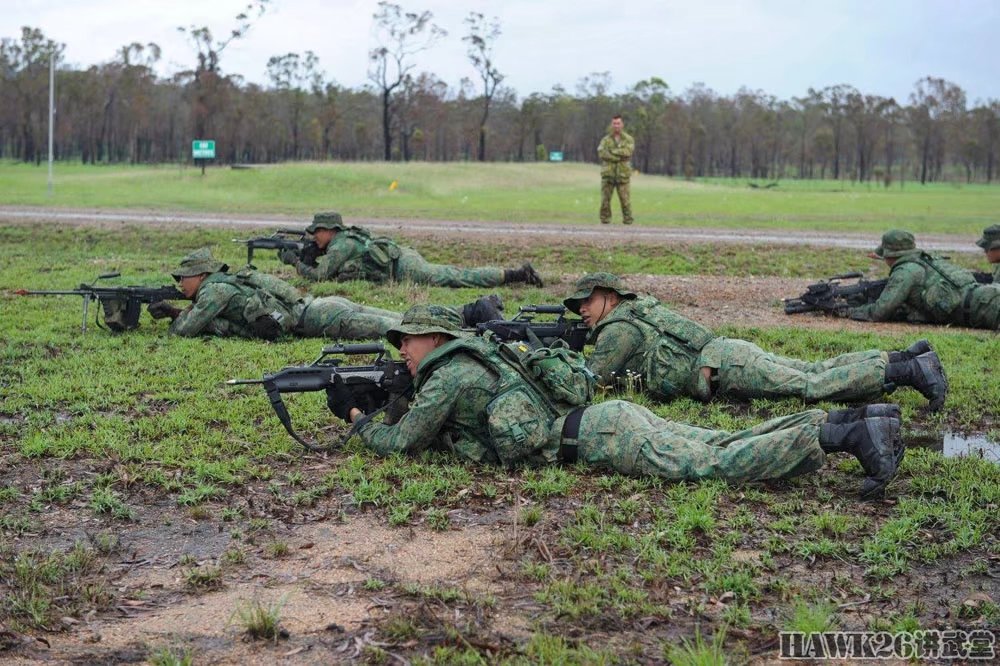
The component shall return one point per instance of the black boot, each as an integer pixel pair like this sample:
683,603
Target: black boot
866,411
916,349
875,442
923,373
526,274
487,308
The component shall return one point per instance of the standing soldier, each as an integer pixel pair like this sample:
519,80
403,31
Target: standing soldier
990,242
353,253
615,151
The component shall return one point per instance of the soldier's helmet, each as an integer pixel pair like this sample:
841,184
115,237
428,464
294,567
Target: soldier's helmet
585,286
895,243
327,220
198,262
425,319
991,237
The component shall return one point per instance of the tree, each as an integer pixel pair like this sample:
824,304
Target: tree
25,79
400,36
290,74
481,38
934,102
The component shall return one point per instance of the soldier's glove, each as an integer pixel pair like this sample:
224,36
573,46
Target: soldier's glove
163,310
340,400
289,256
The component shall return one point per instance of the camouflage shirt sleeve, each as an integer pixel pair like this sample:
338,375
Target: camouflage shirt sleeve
623,151
604,150
201,317
616,344
330,263
996,274
903,282
421,426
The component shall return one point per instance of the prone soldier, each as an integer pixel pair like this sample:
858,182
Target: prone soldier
990,242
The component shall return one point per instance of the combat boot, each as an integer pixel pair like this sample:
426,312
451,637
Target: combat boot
526,274
867,411
875,442
916,349
487,308
923,373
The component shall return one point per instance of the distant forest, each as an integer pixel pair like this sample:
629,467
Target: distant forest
122,112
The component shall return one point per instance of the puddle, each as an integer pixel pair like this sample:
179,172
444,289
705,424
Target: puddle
955,445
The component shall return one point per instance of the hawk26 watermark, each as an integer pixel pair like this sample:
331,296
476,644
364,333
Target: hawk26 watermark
931,644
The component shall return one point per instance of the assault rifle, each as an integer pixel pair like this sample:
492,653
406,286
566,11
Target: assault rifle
983,277
122,305
283,239
375,387
523,327
831,296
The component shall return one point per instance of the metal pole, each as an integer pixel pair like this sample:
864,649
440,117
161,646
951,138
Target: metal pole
52,110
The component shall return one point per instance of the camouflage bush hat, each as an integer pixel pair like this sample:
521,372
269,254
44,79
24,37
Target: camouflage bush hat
991,237
198,262
328,220
895,243
585,286
424,319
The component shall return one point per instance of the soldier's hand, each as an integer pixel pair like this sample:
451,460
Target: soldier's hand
340,399
163,310
288,256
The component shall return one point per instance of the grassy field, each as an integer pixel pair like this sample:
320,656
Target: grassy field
117,445
507,193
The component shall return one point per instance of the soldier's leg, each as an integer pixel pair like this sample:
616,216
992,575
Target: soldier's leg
339,318
413,267
632,440
625,199
364,309
606,187
984,308
747,371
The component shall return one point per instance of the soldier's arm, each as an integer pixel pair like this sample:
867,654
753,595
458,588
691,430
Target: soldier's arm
604,151
200,318
901,283
625,149
421,426
328,264
615,345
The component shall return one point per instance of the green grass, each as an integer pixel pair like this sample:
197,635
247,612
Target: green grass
506,193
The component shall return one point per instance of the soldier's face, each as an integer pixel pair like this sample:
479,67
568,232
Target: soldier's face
617,125
413,349
597,306
189,285
993,256
323,237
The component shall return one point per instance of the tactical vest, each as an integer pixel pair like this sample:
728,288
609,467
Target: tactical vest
944,284
377,260
272,306
670,345
533,389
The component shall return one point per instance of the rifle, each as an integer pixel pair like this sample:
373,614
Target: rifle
376,387
283,239
122,305
983,277
830,296
523,327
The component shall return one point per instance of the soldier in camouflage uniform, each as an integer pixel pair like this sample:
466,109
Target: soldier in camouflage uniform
250,304
475,401
990,242
615,150
927,289
639,340
353,253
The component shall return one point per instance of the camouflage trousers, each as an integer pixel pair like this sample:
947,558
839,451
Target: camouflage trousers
624,198
632,440
983,310
746,371
338,318
412,267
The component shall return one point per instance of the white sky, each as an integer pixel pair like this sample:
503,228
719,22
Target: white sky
782,47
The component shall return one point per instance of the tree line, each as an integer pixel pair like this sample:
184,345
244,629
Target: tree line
122,112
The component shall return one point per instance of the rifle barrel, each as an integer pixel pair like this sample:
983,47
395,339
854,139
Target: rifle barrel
235,382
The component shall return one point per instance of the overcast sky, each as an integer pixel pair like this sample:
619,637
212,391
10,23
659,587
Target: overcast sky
782,47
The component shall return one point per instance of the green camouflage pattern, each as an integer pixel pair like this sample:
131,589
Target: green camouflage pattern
990,238
585,286
624,198
424,320
629,350
198,262
996,274
615,154
895,243
327,220
449,411
349,257
337,318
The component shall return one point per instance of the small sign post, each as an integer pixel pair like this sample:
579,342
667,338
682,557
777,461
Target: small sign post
555,156
202,150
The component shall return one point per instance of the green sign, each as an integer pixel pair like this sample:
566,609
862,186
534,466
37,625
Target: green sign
203,149
555,156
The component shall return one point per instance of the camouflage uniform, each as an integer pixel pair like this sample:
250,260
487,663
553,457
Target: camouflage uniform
666,352
455,402
923,288
355,254
991,241
616,173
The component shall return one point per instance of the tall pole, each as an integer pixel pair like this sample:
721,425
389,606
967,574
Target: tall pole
52,110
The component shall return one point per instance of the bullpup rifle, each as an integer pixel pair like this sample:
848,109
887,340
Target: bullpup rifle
524,328
832,296
283,239
121,305
375,387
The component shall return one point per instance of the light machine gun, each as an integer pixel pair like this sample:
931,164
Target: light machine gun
524,328
375,387
283,239
831,296
122,305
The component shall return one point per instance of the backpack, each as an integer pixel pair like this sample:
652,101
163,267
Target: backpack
273,306
944,285
377,260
